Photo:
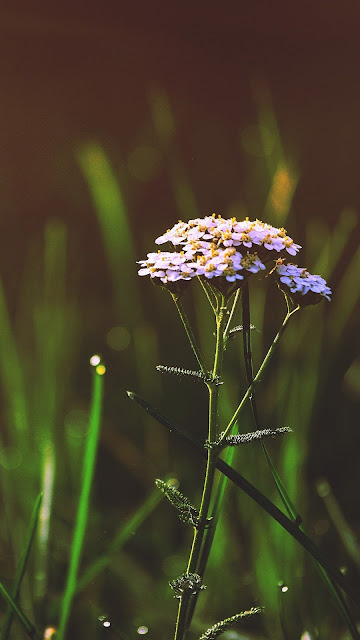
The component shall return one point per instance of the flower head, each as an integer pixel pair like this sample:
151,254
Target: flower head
301,285
224,251
169,269
221,233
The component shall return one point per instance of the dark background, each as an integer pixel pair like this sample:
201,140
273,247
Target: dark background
78,73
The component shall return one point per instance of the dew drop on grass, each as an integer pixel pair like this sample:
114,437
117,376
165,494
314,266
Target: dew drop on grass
104,621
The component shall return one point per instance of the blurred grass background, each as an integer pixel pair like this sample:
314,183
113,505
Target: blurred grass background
113,127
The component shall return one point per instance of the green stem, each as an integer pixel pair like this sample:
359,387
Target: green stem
260,372
28,626
213,386
211,530
258,497
231,315
220,490
22,566
209,293
189,333
290,508
83,507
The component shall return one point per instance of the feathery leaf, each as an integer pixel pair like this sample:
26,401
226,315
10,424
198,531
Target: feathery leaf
186,511
220,627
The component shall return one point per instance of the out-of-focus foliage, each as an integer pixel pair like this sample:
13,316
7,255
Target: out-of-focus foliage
134,543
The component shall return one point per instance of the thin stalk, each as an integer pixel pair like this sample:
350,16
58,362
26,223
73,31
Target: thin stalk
190,334
258,497
260,372
209,294
220,490
290,508
192,567
231,315
28,626
83,507
22,566
211,530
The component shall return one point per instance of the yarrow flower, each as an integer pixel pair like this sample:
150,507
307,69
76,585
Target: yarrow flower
303,287
222,251
221,232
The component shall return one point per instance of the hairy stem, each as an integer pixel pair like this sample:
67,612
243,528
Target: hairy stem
192,567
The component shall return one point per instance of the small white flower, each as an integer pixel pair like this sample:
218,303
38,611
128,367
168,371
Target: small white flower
231,233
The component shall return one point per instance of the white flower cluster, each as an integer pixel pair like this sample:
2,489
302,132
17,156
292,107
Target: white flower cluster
214,246
225,252
301,283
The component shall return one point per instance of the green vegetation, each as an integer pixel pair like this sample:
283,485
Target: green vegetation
79,464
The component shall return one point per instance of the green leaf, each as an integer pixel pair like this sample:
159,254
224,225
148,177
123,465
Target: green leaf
22,566
219,628
260,499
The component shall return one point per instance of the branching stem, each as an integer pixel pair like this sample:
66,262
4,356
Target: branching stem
181,623
260,372
190,334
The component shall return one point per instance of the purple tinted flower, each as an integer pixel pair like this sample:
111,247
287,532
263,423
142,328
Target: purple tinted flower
303,287
224,251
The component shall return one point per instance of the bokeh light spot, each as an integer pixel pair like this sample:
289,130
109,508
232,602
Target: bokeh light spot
144,163
142,630
95,360
10,458
323,488
118,338
100,369
104,621
282,190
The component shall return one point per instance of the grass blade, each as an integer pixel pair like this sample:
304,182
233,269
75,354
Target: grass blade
28,626
83,507
22,566
121,538
261,500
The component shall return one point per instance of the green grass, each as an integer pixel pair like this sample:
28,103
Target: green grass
105,543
